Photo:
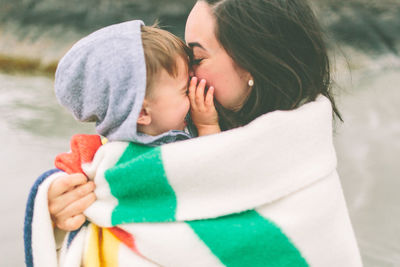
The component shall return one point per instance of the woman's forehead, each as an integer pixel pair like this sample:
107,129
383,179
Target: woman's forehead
200,27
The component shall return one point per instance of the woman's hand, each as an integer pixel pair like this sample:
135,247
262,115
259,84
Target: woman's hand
202,109
68,197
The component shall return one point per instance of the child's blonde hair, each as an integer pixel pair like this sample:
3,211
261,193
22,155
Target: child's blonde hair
162,50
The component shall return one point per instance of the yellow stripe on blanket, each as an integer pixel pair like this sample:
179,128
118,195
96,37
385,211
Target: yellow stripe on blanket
102,248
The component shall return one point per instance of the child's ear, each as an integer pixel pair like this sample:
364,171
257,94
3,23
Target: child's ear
144,116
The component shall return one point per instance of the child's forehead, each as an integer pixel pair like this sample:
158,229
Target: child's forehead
182,66
177,80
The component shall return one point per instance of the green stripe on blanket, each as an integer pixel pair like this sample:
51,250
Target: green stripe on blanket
247,239
139,182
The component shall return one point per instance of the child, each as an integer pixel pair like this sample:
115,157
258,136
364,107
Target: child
132,80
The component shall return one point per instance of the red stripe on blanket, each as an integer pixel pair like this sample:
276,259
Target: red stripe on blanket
125,238
83,149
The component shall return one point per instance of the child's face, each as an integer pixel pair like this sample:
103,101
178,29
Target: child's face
169,102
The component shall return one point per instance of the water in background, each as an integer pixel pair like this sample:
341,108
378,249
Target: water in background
34,128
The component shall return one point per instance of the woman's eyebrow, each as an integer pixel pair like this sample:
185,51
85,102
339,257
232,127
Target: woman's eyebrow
196,44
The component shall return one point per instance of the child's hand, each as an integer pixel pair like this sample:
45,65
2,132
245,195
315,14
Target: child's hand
68,197
202,109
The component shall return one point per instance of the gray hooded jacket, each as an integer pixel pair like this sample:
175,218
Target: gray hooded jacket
102,79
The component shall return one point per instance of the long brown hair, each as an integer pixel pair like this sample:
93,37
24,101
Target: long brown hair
281,44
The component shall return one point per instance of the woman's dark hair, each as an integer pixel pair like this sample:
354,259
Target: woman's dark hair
280,43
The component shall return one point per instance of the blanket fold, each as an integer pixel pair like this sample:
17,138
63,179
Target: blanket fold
266,194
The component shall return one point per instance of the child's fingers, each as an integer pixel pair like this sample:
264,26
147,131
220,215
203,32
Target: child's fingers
73,223
78,206
200,94
210,97
192,91
58,204
65,184
74,209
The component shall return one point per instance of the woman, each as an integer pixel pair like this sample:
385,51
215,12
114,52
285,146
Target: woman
277,46
260,56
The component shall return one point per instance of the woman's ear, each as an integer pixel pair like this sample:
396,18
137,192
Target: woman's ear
144,118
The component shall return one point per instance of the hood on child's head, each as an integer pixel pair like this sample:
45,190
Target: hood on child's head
102,79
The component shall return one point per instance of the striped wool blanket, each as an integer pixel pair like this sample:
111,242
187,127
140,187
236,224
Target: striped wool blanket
266,194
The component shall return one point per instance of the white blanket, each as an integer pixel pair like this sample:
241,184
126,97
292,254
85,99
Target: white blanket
266,194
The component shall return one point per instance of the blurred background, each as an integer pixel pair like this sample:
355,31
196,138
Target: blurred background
364,42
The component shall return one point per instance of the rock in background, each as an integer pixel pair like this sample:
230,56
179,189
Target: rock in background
34,34
372,26
363,35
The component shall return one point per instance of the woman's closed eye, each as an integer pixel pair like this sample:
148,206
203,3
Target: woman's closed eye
197,61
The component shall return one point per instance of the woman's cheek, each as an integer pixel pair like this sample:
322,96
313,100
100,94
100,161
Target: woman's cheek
208,74
221,85
221,97
216,79
200,73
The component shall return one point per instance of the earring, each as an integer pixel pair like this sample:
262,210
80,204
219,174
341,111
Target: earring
251,83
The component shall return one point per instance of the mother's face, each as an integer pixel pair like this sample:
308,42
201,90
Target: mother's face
211,61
